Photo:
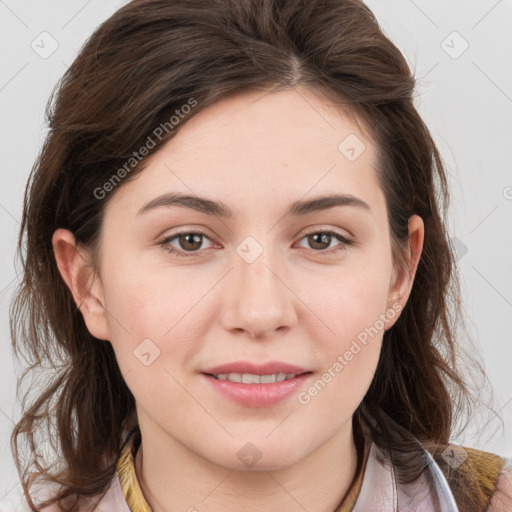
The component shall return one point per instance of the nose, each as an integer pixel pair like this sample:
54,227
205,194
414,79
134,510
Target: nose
258,301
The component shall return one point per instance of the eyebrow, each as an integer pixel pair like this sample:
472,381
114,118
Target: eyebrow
219,209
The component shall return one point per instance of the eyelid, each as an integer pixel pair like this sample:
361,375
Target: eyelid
349,237
344,240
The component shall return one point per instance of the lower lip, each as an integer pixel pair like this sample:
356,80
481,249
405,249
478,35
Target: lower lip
257,395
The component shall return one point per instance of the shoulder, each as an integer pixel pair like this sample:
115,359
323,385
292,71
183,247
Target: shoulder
21,506
501,500
480,480
112,500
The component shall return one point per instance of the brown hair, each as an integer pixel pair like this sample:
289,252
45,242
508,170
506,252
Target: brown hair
136,70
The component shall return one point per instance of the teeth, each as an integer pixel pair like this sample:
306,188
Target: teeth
249,378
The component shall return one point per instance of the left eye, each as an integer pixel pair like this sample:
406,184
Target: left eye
320,238
193,240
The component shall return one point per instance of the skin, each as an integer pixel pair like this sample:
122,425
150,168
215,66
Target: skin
257,153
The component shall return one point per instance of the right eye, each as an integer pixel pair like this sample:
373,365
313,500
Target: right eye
190,239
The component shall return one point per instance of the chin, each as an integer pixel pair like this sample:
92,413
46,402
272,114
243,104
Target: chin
256,456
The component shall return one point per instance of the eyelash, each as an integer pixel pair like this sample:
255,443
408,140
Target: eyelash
181,254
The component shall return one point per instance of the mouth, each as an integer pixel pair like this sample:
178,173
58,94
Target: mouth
251,385
247,371
251,378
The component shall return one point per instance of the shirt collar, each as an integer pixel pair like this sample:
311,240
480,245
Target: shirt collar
127,476
137,502
374,487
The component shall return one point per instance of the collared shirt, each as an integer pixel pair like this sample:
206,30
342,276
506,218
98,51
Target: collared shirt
376,486
136,501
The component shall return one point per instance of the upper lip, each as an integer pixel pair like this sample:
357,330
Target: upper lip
256,369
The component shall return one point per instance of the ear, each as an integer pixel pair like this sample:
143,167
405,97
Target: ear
402,279
74,266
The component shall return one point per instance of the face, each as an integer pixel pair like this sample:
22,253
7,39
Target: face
183,290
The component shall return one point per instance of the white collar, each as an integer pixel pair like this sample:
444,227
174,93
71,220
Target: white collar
381,492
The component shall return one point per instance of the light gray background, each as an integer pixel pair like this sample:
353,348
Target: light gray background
464,97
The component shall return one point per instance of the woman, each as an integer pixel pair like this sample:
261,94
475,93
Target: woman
238,269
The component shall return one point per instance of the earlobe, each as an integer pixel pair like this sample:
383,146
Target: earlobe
402,279
77,273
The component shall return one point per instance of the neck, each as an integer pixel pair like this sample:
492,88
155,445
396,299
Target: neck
173,478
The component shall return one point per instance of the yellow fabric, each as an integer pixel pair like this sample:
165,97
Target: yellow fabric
137,502
482,470
129,483
485,467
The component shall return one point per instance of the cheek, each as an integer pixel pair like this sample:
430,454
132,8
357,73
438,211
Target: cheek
351,304
349,351
350,301
152,298
156,318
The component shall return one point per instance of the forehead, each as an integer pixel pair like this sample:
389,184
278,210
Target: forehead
281,124
255,145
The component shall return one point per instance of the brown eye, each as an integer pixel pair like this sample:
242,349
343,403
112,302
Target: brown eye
190,241
187,242
321,241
